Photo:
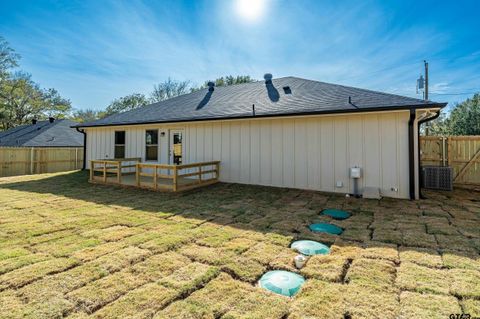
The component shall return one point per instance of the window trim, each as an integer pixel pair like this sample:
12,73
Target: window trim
151,145
115,143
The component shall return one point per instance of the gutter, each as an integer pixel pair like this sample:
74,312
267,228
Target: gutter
84,147
272,115
420,122
411,154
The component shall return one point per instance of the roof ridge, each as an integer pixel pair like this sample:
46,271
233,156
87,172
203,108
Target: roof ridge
359,88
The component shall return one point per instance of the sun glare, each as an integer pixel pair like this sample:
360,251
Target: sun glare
250,10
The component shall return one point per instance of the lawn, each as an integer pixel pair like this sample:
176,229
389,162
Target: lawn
76,250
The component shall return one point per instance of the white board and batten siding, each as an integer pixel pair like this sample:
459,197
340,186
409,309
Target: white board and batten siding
314,152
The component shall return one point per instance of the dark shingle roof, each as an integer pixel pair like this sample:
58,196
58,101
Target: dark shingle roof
43,134
305,97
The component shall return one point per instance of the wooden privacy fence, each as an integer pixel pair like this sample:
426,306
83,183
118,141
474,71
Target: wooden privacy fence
462,153
161,177
37,160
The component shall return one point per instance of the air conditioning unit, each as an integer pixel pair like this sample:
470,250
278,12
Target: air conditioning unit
437,177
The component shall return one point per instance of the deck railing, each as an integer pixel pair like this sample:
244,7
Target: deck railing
112,166
162,177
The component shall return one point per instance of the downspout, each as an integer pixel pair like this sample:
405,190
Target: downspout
427,119
411,153
84,147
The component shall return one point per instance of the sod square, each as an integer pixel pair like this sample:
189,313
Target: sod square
369,303
100,292
187,278
28,274
465,283
376,274
346,249
263,253
379,250
165,243
455,242
421,279
207,255
139,303
21,261
421,256
356,234
461,259
244,269
416,305
419,239
388,236
325,267
471,306
441,229
319,297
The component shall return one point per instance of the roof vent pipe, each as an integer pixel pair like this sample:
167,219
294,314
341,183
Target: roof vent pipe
34,121
51,119
211,86
268,78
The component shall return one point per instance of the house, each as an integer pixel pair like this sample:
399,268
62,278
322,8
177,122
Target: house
285,132
49,133
41,147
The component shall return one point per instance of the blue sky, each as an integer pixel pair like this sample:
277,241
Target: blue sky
95,51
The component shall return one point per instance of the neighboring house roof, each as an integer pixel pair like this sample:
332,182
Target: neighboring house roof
43,134
302,97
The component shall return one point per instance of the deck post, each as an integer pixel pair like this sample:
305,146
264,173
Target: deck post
104,172
137,173
119,172
200,174
175,175
217,169
92,166
155,185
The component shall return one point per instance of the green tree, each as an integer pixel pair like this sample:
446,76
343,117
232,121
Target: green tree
465,117
127,103
88,115
168,89
21,99
226,80
8,58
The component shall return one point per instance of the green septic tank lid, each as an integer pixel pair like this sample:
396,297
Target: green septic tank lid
310,247
336,213
326,228
282,282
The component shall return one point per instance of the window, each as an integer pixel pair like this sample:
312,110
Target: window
120,144
151,141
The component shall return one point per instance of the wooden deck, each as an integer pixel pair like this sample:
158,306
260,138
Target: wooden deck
130,172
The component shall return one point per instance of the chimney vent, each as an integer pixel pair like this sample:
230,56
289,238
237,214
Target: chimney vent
268,78
211,86
51,119
34,121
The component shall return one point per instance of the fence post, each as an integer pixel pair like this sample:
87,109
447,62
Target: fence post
32,158
76,158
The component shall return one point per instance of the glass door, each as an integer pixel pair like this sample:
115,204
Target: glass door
176,147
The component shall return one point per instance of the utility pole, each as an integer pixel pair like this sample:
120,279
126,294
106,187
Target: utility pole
426,79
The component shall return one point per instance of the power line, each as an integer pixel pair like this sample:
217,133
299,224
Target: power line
463,93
